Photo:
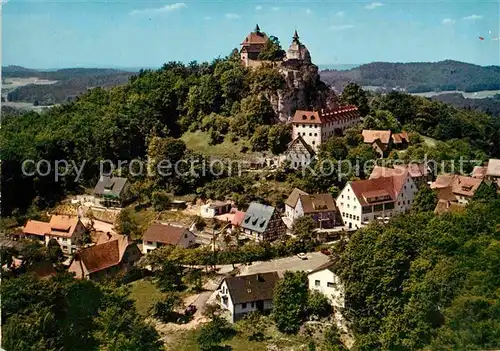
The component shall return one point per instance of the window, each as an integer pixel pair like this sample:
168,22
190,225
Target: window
315,134
253,304
341,204
330,285
317,283
310,134
342,195
313,142
243,306
348,198
185,236
348,205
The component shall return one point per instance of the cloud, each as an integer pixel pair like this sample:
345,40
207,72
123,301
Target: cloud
341,27
232,16
207,18
258,8
275,8
340,14
448,21
373,5
159,10
309,11
473,17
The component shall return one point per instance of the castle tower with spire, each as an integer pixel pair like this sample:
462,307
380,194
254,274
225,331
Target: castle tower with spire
252,46
297,50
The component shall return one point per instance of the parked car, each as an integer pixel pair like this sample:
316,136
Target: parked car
302,256
190,310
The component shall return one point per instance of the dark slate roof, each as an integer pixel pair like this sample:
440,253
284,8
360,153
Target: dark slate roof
255,287
257,217
110,186
327,265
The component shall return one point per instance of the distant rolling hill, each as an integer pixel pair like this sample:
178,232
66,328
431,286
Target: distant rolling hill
417,77
65,85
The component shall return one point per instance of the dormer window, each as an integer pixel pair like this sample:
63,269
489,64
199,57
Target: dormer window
312,117
304,117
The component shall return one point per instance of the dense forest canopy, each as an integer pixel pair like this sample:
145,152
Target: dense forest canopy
416,77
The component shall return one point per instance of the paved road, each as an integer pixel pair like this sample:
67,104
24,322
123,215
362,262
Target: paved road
292,263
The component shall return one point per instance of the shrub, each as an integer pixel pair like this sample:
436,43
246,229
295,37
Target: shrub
318,305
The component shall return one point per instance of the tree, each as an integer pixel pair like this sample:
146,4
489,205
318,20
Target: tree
353,94
169,277
54,252
160,200
259,140
272,51
213,333
279,137
318,305
486,192
126,222
335,147
304,227
425,200
290,301
164,309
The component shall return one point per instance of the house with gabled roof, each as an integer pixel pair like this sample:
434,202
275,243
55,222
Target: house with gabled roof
320,207
317,126
363,201
111,191
65,230
291,203
105,259
380,140
158,235
456,188
244,294
263,223
299,153
324,280
420,172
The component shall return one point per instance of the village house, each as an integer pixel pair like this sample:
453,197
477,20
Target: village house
105,259
320,207
298,153
420,172
158,235
363,201
67,231
316,126
380,140
216,208
324,280
263,223
456,188
111,191
244,294
491,171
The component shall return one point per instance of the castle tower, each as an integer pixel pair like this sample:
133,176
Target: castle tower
297,50
252,46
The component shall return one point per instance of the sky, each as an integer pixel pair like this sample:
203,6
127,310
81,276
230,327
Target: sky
99,33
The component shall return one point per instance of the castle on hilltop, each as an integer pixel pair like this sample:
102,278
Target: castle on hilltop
255,42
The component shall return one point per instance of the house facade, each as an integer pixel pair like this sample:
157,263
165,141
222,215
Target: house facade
316,126
291,210
364,201
111,191
262,223
67,231
244,294
106,259
213,209
299,153
158,235
320,207
325,281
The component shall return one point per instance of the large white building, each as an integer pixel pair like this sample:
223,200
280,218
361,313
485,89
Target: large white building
317,126
363,201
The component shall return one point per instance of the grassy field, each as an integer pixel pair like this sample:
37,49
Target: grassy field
198,141
429,141
144,293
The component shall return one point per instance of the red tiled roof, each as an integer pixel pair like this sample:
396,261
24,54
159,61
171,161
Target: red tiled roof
63,225
385,186
370,136
398,138
414,169
238,218
317,203
36,228
349,112
259,38
164,233
479,172
461,185
99,257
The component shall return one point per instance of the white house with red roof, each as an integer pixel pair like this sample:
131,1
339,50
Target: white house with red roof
363,201
65,230
317,126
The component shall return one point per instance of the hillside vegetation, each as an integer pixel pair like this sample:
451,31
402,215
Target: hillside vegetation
418,77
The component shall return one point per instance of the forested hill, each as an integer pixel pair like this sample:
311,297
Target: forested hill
418,77
64,85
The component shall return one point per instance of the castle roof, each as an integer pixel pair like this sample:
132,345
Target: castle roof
255,38
326,116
